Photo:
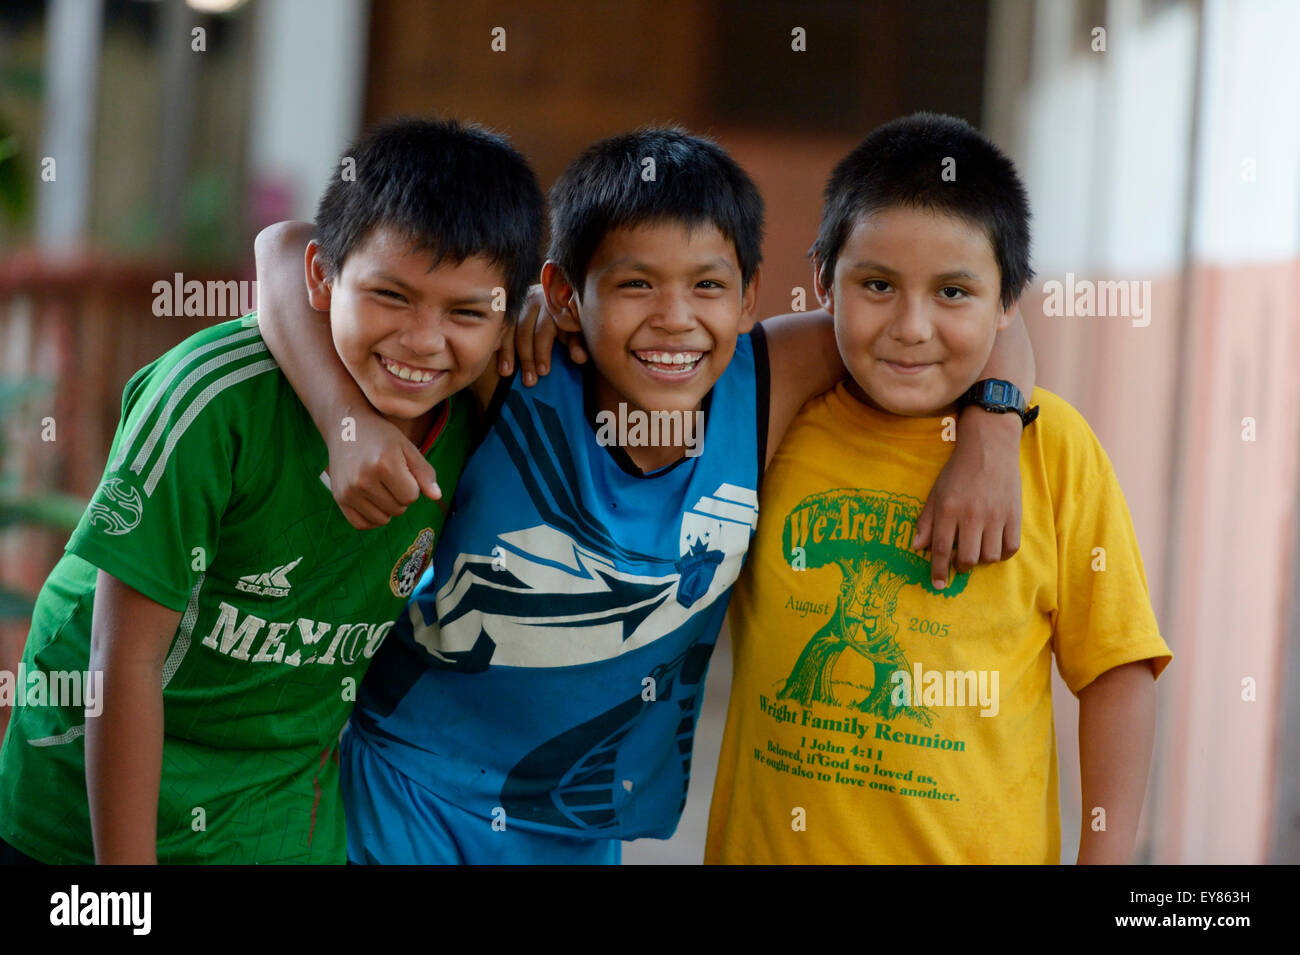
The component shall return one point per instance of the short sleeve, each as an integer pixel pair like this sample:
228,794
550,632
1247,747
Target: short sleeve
1104,616
154,521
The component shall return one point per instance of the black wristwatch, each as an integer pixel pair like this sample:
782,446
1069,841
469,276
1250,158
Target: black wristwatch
999,397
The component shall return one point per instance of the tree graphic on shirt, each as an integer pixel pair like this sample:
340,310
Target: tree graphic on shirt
864,533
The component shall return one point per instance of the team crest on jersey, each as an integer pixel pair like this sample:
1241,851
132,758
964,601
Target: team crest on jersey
116,508
406,572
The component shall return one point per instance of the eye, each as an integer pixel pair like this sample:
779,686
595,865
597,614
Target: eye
710,284
957,296
389,294
469,312
876,285
634,283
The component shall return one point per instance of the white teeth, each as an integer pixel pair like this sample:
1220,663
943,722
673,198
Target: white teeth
408,374
670,358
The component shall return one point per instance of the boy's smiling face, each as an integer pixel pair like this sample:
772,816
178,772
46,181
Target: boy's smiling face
660,311
409,333
916,300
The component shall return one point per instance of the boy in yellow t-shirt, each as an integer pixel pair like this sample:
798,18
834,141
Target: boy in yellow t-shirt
875,717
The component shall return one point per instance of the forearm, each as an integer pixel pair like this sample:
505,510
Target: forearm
297,335
804,361
124,762
1012,358
805,341
1116,731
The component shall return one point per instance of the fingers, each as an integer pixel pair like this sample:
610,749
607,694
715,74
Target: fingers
388,489
506,355
354,518
525,329
369,497
517,347
961,545
991,544
363,514
967,549
924,525
941,549
576,350
385,484
398,485
421,475
1011,538
544,341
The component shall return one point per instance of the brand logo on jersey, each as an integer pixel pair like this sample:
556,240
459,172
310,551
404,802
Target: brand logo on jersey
116,508
406,572
273,583
348,644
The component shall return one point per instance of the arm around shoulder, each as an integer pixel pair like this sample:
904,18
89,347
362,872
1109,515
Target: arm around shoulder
804,361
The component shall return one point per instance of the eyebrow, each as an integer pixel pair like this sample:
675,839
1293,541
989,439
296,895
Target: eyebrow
957,274
960,274
478,298
386,277
636,265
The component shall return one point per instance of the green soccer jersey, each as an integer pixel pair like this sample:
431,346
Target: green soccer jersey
214,503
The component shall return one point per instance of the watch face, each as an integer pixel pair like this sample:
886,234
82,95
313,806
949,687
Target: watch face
996,395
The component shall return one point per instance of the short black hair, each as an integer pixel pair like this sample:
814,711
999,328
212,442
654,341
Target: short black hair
694,182
902,163
454,189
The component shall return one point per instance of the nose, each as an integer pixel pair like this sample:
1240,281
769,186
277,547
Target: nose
675,313
911,321
426,335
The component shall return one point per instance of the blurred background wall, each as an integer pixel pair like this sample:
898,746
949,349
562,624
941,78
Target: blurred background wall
1159,141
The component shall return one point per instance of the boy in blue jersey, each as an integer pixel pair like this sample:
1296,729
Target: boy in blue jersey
537,702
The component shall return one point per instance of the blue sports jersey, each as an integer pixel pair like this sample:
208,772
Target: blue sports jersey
551,663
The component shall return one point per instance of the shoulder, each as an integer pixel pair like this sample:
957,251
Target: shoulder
1066,425
1071,453
221,373
208,364
560,389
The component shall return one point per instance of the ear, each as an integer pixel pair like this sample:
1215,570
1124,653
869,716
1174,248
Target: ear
749,302
825,295
506,327
1007,314
561,298
319,284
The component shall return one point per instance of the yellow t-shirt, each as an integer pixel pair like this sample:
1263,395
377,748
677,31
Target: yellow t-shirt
874,719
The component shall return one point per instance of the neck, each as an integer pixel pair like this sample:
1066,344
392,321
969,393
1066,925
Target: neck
649,442
856,391
415,429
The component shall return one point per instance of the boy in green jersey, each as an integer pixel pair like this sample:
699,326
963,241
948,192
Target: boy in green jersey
212,592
